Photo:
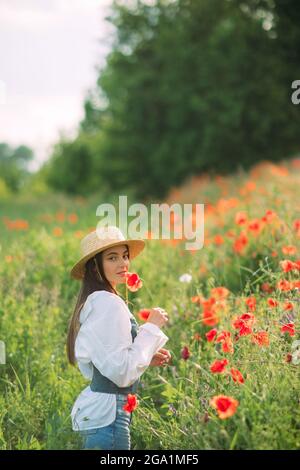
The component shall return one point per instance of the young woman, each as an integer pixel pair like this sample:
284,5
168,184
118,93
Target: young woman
106,342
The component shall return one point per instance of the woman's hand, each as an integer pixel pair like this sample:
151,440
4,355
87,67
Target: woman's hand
161,358
158,316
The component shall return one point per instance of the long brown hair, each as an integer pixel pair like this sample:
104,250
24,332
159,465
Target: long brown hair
91,282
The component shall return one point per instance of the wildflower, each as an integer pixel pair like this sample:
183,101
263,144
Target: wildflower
251,303
240,218
266,287
255,226
197,337
210,335
288,328
269,216
78,233
197,299
219,240
237,376
133,282
209,318
219,292
60,216
296,225
73,218
57,231
218,366
288,265
284,285
288,305
288,357
144,314
131,404
185,278
225,338
272,303
261,338
289,250
225,406
240,243
185,353
244,323
173,409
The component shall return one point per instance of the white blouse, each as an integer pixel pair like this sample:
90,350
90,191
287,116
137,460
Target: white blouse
105,340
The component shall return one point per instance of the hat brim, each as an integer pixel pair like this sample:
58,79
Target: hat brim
135,248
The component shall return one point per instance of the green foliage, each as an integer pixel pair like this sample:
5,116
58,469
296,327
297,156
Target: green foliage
189,86
38,387
13,168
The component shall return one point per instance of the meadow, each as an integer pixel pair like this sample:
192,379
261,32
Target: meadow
233,380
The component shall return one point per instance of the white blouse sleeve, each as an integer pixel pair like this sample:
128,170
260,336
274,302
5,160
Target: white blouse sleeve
108,344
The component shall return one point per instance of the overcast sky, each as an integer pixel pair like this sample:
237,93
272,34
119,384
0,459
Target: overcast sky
49,50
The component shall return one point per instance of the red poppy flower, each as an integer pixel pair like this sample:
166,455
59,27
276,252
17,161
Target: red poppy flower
225,338
218,366
251,303
237,376
288,265
244,323
272,302
289,250
261,338
255,226
222,336
210,335
296,225
284,285
219,240
131,404
265,287
219,292
227,346
241,218
144,314
225,406
269,216
288,305
240,243
245,331
209,318
197,299
297,264
288,328
133,282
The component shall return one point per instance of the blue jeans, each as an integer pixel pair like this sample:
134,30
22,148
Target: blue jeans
114,436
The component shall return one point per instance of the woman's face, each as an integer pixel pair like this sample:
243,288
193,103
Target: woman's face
115,261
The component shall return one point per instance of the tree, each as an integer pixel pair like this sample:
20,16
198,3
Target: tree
14,165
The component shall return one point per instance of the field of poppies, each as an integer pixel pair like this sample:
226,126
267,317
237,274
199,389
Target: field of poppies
233,378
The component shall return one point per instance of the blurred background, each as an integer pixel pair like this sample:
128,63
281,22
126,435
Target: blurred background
135,97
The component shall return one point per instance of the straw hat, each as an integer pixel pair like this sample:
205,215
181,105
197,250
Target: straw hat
99,240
